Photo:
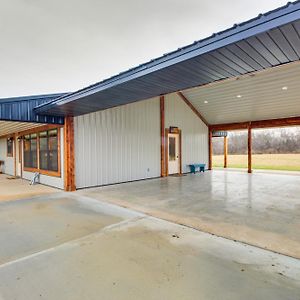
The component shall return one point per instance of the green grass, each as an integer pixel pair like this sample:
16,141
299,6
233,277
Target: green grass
282,162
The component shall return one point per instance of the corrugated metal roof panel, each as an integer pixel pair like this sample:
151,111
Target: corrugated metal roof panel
271,38
22,109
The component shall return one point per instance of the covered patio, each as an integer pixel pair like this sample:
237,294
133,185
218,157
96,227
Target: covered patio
243,78
261,209
220,234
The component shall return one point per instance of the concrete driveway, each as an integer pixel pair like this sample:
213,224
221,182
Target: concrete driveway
261,209
69,247
11,189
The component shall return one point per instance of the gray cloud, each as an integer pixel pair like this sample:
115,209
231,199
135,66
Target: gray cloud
62,45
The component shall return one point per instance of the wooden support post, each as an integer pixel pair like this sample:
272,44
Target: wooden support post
15,155
249,148
225,151
69,155
21,156
210,150
162,138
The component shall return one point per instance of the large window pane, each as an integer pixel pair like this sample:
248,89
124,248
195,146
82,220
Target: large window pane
53,150
47,143
49,150
27,151
33,149
172,148
30,151
43,151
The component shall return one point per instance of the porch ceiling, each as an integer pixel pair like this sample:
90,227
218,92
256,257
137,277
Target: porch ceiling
264,95
7,128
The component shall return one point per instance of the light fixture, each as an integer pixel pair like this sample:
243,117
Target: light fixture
205,102
239,96
284,88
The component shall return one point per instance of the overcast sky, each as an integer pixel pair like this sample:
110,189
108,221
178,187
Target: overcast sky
49,46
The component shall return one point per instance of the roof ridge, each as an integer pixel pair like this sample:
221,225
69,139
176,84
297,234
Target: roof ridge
28,97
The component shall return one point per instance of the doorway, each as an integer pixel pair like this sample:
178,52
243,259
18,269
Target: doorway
173,152
18,154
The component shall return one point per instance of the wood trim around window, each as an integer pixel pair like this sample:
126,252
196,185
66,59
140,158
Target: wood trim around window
177,131
38,170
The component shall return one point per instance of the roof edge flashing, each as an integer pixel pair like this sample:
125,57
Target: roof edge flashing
262,23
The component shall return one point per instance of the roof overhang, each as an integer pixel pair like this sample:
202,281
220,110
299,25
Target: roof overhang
10,128
265,95
270,40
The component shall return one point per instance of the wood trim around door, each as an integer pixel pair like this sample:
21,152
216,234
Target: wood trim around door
178,131
15,155
162,137
20,142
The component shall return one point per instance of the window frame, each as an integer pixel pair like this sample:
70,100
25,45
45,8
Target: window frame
48,148
10,154
38,169
30,139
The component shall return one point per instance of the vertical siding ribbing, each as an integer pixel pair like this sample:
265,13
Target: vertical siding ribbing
118,144
194,131
8,161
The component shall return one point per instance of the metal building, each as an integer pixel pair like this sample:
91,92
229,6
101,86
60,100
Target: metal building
156,119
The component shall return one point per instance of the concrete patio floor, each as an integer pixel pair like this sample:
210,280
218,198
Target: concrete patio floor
66,246
261,209
11,189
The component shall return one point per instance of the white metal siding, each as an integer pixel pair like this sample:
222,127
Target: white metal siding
8,161
194,131
118,145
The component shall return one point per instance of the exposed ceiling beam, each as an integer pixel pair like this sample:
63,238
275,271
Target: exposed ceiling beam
285,122
266,95
192,107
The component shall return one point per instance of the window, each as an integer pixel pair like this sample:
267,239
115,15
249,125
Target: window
49,150
172,148
30,151
41,152
10,147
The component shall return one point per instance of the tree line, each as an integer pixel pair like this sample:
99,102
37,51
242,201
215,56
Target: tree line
268,141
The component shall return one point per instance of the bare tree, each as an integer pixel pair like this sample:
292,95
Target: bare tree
270,141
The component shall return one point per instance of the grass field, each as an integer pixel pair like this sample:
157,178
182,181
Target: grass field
287,162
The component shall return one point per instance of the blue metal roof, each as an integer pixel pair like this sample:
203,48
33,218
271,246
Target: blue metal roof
21,109
266,41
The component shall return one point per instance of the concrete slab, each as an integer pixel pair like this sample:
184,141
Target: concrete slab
147,258
12,189
259,209
33,225
67,246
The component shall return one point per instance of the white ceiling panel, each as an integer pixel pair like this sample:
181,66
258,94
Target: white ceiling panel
7,128
270,94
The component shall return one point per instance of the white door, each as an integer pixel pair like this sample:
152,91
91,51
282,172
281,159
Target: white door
173,153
